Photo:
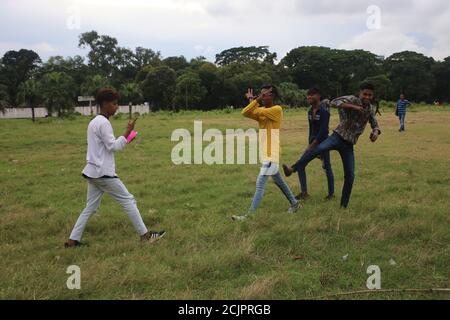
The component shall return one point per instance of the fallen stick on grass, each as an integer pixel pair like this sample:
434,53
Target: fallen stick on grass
383,290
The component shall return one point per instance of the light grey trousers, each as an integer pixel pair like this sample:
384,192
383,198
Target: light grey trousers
115,188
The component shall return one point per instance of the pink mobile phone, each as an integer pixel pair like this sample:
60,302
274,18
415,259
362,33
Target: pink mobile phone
131,136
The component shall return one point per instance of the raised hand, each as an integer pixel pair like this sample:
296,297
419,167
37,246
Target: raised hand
130,127
131,124
374,136
249,95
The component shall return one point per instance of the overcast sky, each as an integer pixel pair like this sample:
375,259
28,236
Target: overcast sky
200,27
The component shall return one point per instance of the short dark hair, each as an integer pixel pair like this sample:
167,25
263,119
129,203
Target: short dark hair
367,86
106,95
314,90
274,89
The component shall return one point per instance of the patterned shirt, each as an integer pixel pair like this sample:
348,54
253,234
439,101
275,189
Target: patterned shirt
352,122
402,105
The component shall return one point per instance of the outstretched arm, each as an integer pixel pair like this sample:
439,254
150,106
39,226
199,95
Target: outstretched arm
347,102
374,125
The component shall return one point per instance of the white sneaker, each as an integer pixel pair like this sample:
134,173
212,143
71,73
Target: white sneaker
239,218
152,236
293,208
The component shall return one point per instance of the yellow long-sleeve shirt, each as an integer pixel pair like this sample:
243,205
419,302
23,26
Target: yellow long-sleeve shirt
268,119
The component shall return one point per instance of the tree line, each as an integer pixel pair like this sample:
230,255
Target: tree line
174,83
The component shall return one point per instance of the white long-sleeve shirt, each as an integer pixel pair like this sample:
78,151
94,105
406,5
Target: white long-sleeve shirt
101,147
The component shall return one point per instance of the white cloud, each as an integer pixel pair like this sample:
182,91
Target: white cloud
405,29
180,27
204,50
42,47
384,41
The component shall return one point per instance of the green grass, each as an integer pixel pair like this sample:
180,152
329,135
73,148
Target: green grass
399,210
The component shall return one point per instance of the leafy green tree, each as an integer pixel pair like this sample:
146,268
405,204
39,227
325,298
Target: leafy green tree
198,61
30,95
410,73
336,72
243,55
250,79
145,57
176,63
236,78
102,55
131,93
124,68
159,85
291,95
72,66
17,67
118,64
352,67
312,66
93,83
58,92
189,90
208,73
382,86
215,85
441,74
4,98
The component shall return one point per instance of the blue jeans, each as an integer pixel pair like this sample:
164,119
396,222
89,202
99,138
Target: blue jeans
261,184
345,149
401,117
326,166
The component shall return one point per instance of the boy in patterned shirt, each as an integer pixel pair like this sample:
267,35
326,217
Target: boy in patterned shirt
354,113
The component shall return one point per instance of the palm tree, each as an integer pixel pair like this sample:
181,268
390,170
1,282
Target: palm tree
58,91
131,93
30,95
4,98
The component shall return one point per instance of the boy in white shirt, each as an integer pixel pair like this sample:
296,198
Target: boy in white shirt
100,170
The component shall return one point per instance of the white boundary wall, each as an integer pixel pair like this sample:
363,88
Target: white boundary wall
25,113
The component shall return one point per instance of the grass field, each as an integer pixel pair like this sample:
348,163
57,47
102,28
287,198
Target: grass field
399,210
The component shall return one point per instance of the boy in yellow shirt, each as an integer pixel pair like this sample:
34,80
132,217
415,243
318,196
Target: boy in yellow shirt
269,117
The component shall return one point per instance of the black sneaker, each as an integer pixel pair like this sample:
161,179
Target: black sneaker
73,244
302,196
330,197
153,236
287,170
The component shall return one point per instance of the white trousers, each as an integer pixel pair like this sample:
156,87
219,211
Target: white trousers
115,188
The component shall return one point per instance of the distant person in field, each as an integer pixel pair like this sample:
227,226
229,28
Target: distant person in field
269,118
319,120
376,104
402,105
354,113
100,170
